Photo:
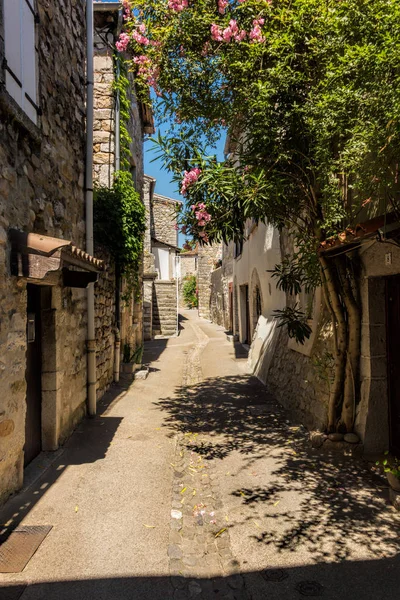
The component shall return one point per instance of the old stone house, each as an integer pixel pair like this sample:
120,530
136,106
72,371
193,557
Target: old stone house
119,321
160,295
44,266
43,272
304,389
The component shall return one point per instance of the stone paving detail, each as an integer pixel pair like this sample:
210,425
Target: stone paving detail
199,550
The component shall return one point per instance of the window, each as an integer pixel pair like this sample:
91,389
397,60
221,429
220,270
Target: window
21,54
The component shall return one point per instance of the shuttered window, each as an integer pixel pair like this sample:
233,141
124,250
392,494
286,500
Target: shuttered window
21,54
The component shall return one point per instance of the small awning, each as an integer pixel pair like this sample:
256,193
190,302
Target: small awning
40,258
383,227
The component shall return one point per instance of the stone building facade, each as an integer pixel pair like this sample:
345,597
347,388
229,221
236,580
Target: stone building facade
222,305
208,257
187,265
42,158
160,283
117,320
299,375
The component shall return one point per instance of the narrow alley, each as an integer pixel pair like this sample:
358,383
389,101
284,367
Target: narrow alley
193,483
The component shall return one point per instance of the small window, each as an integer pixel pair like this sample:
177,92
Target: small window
21,54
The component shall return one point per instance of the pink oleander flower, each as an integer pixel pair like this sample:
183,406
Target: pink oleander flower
240,36
123,42
176,227
177,5
229,33
127,10
255,34
216,33
222,4
139,38
189,177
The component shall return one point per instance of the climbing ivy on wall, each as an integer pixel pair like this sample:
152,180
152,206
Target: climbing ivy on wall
122,88
119,225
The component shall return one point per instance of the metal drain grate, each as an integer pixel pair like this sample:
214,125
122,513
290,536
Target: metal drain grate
18,547
275,575
310,588
12,593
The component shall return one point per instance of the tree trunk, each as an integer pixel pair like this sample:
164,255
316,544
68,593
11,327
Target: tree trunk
351,384
337,390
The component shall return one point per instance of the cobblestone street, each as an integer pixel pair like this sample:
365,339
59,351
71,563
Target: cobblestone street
195,483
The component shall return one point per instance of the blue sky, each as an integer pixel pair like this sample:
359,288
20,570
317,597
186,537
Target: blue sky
164,185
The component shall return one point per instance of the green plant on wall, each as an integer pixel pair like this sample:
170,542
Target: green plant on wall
189,291
122,88
119,225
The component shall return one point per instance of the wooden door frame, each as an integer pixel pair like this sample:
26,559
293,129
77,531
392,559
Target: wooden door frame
395,449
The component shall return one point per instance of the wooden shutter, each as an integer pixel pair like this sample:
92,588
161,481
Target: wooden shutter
12,42
21,54
29,60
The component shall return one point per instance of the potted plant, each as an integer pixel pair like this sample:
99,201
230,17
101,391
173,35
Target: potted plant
131,360
391,467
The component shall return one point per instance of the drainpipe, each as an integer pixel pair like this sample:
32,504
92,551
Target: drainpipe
91,337
117,147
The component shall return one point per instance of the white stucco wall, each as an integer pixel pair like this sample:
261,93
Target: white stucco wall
162,262
261,252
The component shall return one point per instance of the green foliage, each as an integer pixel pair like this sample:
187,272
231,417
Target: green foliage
295,321
132,356
390,465
323,364
122,87
313,113
119,225
189,291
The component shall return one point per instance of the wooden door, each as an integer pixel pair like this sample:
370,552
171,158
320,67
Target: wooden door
248,334
33,422
393,359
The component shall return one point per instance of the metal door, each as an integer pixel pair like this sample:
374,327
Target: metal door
393,359
33,422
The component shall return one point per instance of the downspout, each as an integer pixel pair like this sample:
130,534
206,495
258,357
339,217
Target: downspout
117,146
91,337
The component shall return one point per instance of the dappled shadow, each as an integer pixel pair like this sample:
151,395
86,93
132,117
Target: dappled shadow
329,506
229,406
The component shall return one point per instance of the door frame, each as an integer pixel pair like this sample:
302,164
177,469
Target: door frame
394,446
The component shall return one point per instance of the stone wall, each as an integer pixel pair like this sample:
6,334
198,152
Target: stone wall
104,115
208,256
164,220
105,323
104,159
164,308
219,309
188,266
300,381
41,190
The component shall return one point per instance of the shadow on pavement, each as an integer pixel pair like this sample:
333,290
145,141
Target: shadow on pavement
342,581
330,506
87,444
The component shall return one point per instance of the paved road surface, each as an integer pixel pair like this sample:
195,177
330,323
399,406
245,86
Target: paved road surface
195,484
